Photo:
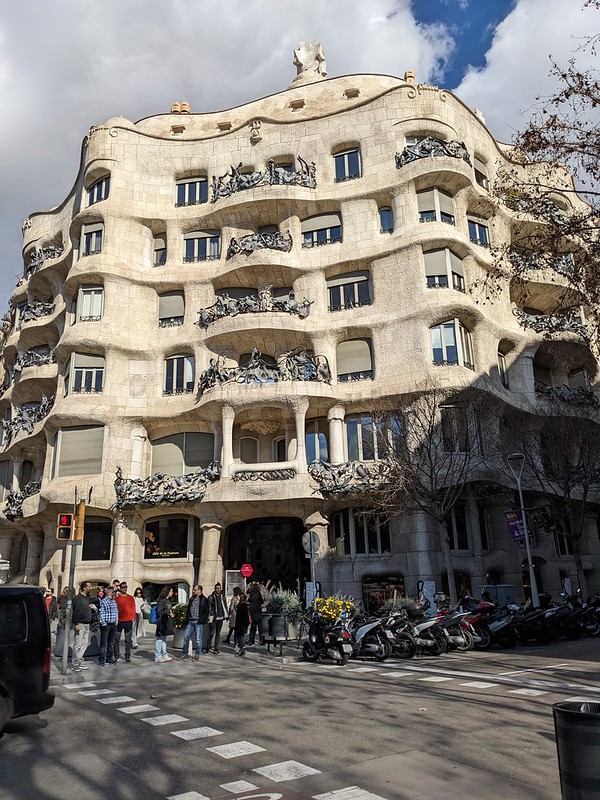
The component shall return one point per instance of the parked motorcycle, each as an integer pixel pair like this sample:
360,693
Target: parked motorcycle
427,634
369,639
328,640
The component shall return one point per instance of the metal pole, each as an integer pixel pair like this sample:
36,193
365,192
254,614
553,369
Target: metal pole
520,457
79,525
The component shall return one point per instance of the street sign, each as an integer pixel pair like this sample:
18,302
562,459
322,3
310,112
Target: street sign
247,570
310,542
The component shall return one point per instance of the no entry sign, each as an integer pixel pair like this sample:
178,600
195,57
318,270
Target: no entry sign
247,570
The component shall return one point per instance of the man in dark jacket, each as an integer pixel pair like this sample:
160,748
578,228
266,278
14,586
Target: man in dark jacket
82,616
217,613
196,618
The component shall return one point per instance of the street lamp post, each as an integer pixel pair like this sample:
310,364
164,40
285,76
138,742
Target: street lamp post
516,462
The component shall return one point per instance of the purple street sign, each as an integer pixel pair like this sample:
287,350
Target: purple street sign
515,525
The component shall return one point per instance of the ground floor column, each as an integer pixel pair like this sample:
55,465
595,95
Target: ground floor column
336,434
228,418
211,558
33,563
318,525
126,549
300,408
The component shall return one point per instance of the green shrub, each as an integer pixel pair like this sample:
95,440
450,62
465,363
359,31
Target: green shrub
286,602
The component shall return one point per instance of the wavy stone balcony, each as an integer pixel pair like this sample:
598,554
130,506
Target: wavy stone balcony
430,147
263,302
236,180
25,419
160,488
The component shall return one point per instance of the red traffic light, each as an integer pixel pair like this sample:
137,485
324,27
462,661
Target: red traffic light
64,527
65,519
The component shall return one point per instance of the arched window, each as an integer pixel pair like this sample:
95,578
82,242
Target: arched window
279,449
316,438
171,309
386,219
354,360
179,374
99,190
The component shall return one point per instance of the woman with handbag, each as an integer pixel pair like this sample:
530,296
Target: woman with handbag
139,629
164,624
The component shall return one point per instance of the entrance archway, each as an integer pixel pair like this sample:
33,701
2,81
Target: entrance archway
274,548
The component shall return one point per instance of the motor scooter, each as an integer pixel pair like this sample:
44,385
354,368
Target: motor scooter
328,640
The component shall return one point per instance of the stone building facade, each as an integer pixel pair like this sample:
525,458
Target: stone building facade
220,303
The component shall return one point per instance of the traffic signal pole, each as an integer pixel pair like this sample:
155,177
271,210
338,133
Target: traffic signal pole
73,543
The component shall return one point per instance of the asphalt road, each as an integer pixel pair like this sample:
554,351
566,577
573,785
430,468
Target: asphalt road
460,727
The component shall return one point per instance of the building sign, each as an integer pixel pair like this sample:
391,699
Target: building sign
515,525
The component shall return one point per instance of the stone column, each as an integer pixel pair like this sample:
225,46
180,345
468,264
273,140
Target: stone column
300,407
126,549
35,544
520,374
6,546
318,524
336,416
218,442
211,561
228,419
139,438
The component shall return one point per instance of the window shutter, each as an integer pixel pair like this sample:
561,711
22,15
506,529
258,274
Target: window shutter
86,360
480,166
320,222
80,451
237,292
160,242
171,304
435,262
93,227
353,356
167,455
204,234
426,200
456,263
348,277
446,203
199,450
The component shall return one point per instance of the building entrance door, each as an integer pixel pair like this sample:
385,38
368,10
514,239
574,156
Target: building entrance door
274,548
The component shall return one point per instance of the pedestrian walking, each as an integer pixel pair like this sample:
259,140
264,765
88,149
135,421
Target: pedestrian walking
217,613
82,617
242,620
109,618
126,606
164,624
256,603
196,618
139,627
231,614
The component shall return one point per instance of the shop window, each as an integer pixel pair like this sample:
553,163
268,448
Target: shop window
97,540
166,537
377,591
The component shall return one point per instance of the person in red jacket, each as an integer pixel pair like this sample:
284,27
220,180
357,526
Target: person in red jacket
126,605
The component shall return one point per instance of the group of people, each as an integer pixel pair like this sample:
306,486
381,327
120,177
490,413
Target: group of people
242,612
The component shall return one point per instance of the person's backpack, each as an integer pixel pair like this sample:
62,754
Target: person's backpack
152,617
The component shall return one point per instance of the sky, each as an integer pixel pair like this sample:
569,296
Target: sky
68,64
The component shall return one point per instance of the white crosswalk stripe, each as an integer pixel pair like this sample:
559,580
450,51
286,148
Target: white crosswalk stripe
527,692
188,796
286,771
113,700
238,786
436,679
351,793
236,749
164,719
137,709
96,692
363,669
479,684
196,733
86,685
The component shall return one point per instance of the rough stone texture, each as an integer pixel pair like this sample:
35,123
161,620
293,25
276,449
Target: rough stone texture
144,160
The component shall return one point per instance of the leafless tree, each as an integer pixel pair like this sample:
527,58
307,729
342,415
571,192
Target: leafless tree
562,462
437,462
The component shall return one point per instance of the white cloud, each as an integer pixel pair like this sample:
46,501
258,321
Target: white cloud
517,65
81,62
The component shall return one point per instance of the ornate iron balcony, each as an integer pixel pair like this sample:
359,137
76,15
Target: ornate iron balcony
576,395
35,310
353,476
160,488
33,359
25,419
237,181
14,500
432,147
362,375
226,306
550,324
259,241
170,322
39,256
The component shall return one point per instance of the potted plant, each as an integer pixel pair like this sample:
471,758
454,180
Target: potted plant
331,607
286,603
179,624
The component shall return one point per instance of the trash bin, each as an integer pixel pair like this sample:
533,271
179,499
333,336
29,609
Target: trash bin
577,728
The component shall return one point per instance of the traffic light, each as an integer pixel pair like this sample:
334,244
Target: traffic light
64,527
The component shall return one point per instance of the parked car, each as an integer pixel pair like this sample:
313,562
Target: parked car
24,653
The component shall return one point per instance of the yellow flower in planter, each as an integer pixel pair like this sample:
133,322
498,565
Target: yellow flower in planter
330,608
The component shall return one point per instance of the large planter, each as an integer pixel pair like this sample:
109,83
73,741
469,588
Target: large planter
577,727
277,627
292,629
263,626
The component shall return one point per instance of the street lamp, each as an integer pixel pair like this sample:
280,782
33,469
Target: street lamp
516,462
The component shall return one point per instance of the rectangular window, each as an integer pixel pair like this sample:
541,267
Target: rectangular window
90,304
171,309
97,540
201,246
191,192
87,373
160,251
479,233
317,433
458,528
443,268
362,534
481,176
563,545
347,165
435,206
182,453
91,239
321,230
179,375
455,429
78,451
99,190
6,476
484,536
349,291
166,538
503,369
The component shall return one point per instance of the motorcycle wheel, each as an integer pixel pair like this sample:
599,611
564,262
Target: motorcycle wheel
384,648
405,646
469,641
592,628
345,659
507,639
308,654
485,638
440,642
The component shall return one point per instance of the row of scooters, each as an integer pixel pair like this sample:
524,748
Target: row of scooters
410,631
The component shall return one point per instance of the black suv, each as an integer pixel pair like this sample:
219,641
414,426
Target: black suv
24,653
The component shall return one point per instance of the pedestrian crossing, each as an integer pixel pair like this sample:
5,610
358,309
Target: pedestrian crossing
278,772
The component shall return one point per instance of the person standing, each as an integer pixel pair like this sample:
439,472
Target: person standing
82,616
108,618
231,612
126,606
242,619
196,618
164,624
51,608
255,603
139,629
216,616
